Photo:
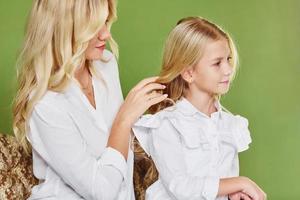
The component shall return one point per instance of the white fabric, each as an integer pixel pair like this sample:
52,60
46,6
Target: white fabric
191,150
69,139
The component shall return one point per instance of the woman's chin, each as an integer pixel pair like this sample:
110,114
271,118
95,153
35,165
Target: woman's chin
95,57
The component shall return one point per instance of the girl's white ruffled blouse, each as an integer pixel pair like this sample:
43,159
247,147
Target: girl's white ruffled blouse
192,151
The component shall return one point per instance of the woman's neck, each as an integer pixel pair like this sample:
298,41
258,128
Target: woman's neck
203,101
82,74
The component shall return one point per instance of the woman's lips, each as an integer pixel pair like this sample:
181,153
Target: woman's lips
101,47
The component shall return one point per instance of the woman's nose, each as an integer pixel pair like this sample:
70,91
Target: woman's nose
104,33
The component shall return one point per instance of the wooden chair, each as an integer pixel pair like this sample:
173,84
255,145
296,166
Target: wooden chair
16,175
17,179
145,172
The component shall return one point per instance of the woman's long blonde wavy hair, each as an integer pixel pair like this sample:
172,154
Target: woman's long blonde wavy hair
183,48
56,38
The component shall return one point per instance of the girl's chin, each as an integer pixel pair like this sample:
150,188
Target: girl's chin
222,92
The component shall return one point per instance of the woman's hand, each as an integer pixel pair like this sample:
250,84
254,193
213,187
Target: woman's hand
139,99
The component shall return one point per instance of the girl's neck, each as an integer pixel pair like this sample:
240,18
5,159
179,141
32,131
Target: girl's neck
204,102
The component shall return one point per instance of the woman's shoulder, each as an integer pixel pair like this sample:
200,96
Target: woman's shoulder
51,111
51,97
52,103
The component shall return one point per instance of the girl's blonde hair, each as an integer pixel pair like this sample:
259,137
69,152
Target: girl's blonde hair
184,47
56,38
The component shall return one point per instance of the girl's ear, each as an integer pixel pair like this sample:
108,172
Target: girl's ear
187,74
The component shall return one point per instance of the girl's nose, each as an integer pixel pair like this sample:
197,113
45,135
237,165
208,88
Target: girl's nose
104,33
228,69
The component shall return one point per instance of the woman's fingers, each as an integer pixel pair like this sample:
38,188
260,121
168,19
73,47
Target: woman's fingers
152,95
157,99
150,87
144,82
140,98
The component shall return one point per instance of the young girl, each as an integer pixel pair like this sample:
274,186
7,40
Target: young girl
193,142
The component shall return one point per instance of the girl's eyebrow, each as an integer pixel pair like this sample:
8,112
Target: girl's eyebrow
220,57
217,59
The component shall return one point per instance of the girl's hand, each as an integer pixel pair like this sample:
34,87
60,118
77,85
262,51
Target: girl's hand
252,190
239,196
139,99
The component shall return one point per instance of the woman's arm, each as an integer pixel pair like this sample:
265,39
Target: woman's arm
55,138
139,99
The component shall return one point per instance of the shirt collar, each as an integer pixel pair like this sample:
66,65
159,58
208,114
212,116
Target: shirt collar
188,109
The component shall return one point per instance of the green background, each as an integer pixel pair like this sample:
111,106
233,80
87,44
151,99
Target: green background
266,89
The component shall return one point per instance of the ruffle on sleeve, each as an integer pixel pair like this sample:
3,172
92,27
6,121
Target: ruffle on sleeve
142,129
241,133
192,135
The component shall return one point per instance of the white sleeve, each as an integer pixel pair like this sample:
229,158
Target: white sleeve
142,128
60,144
168,156
241,133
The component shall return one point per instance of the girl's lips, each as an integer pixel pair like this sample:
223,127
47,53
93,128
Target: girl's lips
225,82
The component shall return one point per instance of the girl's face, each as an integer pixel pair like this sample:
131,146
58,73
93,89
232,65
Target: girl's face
213,72
97,44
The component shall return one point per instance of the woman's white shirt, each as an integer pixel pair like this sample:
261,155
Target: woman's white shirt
192,151
69,139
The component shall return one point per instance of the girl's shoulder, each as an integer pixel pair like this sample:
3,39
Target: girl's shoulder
238,128
234,119
159,119
158,125
167,123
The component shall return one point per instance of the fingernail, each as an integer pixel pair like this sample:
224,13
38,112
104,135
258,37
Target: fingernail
163,86
165,95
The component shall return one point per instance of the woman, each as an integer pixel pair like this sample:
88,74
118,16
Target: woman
69,104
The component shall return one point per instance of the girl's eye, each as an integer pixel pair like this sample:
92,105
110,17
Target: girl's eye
217,64
106,22
229,58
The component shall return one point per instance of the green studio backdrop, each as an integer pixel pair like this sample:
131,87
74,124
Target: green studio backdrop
266,89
